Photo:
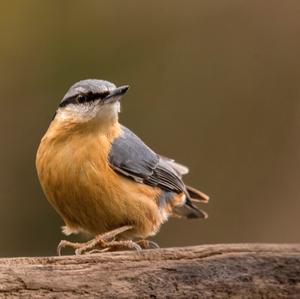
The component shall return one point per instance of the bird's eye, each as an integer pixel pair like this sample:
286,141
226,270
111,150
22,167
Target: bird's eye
81,98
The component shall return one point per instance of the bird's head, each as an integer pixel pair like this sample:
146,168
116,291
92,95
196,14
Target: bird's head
91,100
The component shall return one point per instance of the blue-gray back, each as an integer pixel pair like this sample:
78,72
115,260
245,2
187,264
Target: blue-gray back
131,157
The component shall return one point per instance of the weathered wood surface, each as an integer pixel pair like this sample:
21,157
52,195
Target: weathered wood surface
208,271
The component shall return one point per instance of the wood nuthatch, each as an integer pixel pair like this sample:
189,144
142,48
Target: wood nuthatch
103,179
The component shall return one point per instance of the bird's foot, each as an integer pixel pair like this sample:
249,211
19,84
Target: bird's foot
105,241
116,246
126,244
146,244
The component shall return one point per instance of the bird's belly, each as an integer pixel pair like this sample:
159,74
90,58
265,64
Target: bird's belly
92,197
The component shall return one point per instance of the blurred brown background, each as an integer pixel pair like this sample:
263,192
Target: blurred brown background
214,84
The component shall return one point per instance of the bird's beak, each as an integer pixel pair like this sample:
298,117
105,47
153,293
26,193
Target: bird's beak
117,92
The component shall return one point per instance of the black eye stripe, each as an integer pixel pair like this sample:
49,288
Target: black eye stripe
84,98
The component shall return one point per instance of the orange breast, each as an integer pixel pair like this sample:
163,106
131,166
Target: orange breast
88,194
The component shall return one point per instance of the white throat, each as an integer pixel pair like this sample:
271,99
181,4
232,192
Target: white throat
106,113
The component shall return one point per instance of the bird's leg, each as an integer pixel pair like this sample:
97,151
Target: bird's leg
115,246
146,244
101,240
65,243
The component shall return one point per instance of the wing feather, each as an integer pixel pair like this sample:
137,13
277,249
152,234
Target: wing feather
130,156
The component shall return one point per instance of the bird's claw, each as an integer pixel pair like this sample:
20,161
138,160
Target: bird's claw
106,242
146,244
64,243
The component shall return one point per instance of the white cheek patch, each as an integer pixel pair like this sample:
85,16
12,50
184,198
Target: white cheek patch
80,113
109,111
84,113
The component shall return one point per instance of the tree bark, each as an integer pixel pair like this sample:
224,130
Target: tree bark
208,271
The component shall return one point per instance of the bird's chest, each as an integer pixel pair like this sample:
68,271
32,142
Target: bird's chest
87,193
75,174
79,162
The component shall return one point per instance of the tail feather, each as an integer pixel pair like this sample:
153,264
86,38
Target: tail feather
189,211
197,195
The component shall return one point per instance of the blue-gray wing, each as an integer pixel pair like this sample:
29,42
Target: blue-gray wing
130,156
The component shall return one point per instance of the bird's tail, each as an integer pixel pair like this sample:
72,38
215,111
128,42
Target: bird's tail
197,195
190,210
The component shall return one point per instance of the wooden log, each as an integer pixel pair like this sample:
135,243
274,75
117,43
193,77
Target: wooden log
208,271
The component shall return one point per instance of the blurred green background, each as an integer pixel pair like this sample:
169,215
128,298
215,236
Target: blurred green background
214,84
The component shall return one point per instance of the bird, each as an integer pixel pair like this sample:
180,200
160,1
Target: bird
103,180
